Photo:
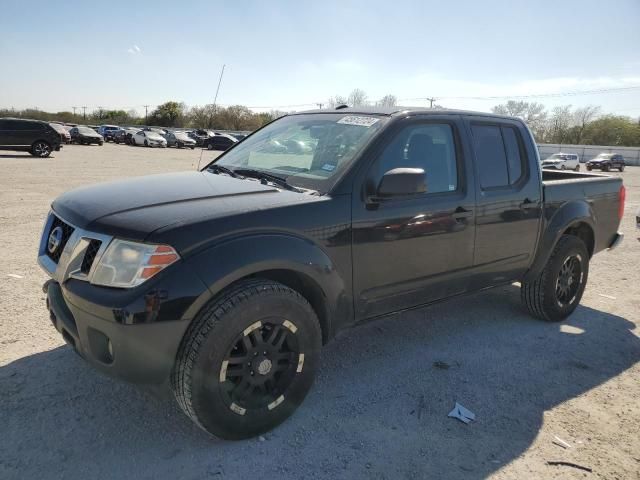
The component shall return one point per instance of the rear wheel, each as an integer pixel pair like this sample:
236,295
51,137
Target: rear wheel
557,291
248,360
40,149
605,168
577,169
146,143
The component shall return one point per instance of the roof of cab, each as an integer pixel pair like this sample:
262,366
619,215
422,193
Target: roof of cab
393,111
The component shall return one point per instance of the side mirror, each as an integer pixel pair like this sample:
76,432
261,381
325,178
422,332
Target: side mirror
402,181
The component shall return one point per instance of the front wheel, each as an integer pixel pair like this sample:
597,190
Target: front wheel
248,359
210,147
577,169
605,168
557,291
40,149
622,168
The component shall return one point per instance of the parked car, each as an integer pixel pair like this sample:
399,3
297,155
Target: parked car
225,283
124,135
179,140
108,132
65,136
562,161
200,136
149,139
638,222
606,162
95,128
220,141
85,136
33,136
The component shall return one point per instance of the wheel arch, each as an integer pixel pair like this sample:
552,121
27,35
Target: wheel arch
295,262
573,218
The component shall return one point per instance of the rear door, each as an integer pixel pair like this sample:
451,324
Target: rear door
508,199
15,133
415,249
4,133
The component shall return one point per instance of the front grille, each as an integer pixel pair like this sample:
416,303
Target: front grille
67,230
90,256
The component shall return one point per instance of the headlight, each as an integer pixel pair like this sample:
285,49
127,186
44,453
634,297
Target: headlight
127,264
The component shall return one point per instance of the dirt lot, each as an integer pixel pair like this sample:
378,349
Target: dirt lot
379,407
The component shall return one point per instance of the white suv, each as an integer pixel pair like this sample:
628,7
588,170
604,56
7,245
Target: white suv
562,161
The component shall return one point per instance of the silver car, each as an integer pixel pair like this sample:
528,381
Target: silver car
179,140
149,139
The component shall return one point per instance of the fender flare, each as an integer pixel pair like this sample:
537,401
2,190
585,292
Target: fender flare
229,261
568,215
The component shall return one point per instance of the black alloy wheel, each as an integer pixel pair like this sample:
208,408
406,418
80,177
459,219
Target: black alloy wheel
248,359
41,149
569,280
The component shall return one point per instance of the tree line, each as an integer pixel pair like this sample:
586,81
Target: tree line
563,124
578,126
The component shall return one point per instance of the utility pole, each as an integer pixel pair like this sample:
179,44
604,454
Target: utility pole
74,111
215,99
84,113
431,100
320,105
146,107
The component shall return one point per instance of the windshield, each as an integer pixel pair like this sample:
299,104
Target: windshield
86,130
309,151
605,155
558,156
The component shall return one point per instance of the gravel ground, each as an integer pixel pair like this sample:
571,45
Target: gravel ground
379,407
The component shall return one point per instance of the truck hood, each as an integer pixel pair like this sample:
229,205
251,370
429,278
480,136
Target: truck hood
136,207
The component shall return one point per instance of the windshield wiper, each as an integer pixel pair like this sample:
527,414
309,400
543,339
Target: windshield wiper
220,169
259,174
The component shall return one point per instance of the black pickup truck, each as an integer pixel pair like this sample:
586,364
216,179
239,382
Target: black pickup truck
223,284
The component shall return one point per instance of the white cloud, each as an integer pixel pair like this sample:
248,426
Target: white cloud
134,50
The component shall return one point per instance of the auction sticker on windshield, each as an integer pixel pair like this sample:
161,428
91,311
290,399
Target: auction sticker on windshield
357,120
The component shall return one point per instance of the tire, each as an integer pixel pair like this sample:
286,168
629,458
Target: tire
40,149
562,167
209,146
225,334
605,168
546,297
146,143
577,169
589,169
622,168
192,147
178,145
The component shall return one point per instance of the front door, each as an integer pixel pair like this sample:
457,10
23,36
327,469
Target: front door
413,250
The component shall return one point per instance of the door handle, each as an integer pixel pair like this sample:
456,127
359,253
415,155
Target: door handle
461,213
528,204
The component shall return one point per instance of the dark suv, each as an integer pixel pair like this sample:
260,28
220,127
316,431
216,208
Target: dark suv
606,162
33,136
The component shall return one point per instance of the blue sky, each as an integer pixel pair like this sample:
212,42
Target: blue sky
117,54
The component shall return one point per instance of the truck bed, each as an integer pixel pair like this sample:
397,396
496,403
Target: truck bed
601,194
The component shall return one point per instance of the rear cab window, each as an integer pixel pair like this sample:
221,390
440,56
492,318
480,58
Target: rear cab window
500,155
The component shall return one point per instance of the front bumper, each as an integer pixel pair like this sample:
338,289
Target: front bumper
139,353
